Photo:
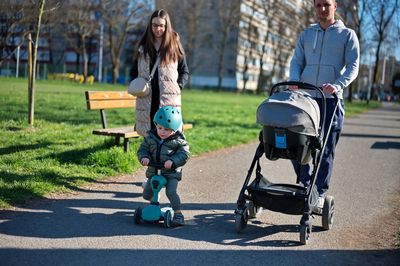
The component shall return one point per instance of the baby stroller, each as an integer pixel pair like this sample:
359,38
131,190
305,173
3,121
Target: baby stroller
293,128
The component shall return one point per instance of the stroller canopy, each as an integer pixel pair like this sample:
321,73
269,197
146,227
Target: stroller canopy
293,110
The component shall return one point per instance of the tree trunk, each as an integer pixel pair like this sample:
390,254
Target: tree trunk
85,59
221,62
31,83
115,73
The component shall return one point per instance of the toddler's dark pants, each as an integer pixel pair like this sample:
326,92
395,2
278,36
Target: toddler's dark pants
170,191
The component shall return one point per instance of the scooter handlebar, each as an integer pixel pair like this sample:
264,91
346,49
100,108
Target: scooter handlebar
159,165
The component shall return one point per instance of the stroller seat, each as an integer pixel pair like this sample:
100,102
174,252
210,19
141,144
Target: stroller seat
290,123
285,144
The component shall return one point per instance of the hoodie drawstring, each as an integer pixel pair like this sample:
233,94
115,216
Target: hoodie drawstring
315,41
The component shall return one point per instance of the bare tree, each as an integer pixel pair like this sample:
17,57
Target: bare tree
269,10
382,13
120,18
15,20
31,81
352,12
280,38
227,18
250,39
10,16
186,16
78,19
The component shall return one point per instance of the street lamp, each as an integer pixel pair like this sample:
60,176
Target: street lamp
370,75
17,66
101,53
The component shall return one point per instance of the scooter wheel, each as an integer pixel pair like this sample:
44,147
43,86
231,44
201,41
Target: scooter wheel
327,212
137,217
167,219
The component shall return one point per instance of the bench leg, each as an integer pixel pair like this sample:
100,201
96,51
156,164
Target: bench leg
116,140
126,145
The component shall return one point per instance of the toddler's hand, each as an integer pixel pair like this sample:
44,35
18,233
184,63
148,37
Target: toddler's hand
168,164
145,161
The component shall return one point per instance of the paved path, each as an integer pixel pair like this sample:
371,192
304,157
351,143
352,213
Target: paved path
94,226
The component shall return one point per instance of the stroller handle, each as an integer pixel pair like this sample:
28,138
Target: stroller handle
301,85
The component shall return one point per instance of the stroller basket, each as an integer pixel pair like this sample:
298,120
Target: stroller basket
284,198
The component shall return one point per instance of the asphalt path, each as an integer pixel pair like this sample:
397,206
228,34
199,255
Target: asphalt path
94,226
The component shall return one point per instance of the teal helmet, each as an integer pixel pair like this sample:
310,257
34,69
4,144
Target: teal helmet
168,117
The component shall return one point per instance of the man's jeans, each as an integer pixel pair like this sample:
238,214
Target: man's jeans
325,170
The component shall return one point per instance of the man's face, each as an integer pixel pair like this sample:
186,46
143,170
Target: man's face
325,10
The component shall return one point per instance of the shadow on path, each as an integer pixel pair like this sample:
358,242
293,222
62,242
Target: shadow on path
197,257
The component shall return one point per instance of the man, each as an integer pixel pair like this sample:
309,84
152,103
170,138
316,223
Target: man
326,55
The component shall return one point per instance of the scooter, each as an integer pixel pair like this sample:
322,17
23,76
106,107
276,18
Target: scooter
153,212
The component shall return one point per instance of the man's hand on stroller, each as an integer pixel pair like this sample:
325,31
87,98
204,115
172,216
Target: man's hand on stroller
329,88
293,87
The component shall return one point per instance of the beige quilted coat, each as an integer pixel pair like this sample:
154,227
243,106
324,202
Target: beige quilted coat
170,93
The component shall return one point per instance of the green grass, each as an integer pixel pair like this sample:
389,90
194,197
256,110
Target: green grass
357,107
60,153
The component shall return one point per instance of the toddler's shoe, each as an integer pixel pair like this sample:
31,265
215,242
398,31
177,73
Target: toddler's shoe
178,220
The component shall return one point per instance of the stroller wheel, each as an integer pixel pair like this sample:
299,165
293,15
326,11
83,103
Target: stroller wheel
138,215
254,210
241,218
305,232
327,212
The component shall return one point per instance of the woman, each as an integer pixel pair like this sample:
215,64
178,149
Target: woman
170,76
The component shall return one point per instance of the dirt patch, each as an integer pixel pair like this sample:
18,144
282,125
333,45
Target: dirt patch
384,233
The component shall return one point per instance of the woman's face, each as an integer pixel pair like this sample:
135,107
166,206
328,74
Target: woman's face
158,27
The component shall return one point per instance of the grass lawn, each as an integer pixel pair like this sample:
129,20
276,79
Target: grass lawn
60,153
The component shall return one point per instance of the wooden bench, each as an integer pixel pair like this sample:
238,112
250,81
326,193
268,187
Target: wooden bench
101,100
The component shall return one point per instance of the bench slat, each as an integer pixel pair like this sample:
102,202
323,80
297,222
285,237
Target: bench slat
105,104
187,126
109,99
108,95
125,132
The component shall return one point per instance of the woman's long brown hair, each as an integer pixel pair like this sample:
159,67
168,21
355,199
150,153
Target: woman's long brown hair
171,49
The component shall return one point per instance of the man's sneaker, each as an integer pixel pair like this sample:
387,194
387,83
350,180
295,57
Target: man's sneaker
178,219
320,205
321,201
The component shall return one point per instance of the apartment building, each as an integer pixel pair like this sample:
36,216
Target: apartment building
238,44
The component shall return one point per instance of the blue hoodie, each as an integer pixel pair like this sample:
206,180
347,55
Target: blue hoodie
326,56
